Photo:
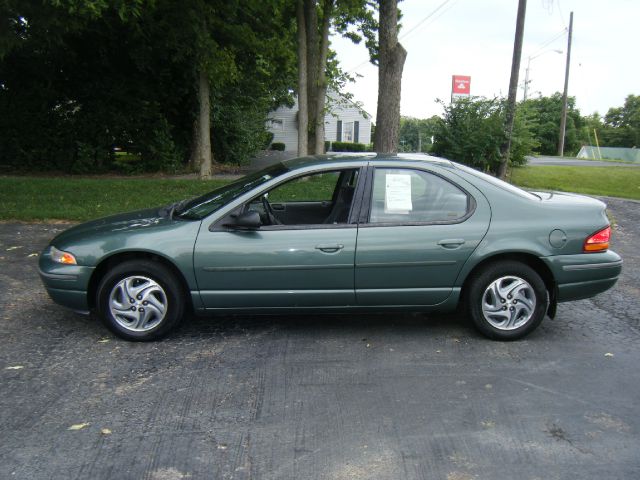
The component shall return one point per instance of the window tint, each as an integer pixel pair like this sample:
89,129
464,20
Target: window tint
315,199
310,188
408,196
200,207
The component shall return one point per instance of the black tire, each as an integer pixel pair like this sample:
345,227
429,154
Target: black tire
167,291
505,271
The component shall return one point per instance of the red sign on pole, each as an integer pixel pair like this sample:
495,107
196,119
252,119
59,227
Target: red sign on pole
460,86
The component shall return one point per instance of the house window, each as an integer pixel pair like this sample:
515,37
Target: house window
347,132
277,124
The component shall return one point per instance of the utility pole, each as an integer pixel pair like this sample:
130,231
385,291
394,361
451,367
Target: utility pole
526,79
563,119
513,89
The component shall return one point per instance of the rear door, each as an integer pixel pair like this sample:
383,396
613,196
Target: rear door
416,233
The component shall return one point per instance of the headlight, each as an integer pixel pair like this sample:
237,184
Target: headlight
62,257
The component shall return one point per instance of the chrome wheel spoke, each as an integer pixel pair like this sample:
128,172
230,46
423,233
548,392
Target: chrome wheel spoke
138,303
155,306
508,303
143,319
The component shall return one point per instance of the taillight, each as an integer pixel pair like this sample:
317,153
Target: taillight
598,242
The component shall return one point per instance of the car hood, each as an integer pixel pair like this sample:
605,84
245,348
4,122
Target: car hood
114,224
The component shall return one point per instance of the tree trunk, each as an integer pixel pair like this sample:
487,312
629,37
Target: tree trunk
193,165
303,105
202,146
311,20
316,44
505,148
321,82
391,63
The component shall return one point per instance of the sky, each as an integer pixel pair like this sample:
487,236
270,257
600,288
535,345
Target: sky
475,37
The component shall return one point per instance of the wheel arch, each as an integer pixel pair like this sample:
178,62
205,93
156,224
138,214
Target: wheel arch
111,261
528,259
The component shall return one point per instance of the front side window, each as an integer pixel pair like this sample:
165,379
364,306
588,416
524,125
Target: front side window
200,207
415,196
323,198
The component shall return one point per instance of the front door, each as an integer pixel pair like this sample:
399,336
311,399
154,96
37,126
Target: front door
302,256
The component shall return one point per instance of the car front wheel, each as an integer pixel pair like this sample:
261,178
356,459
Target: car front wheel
140,300
507,300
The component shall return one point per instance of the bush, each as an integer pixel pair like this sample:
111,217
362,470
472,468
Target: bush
279,146
472,132
348,147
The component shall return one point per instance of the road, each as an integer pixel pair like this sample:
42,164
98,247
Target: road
389,396
575,162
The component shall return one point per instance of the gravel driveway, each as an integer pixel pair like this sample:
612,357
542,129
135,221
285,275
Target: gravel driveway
393,396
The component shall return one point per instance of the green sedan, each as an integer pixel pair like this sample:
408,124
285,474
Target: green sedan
340,233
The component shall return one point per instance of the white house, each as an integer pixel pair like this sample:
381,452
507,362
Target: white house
343,122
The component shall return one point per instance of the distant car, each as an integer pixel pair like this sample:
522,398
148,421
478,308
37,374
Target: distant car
340,233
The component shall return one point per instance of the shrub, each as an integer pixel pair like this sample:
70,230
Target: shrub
472,132
279,146
348,147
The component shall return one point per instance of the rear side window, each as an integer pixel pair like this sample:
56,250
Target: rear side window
415,196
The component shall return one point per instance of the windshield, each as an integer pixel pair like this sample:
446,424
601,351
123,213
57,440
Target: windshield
200,207
497,182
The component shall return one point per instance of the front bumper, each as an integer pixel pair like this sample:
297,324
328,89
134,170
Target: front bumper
67,285
584,275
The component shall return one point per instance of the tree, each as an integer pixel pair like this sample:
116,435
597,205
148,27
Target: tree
303,72
392,56
622,124
317,69
416,133
80,78
547,112
472,132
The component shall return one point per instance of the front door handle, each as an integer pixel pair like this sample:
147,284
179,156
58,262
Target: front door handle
330,248
451,243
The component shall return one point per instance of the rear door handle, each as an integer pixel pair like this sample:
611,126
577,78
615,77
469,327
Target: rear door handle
451,243
330,248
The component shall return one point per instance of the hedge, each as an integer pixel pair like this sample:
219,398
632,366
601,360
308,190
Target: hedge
348,147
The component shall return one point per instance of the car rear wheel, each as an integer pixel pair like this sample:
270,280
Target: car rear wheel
140,300
507,300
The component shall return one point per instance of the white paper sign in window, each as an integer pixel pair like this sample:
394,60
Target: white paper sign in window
397,198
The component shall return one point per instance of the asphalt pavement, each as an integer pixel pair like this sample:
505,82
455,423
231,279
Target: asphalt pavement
388,396
575,162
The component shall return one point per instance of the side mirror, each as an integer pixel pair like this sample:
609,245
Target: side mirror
247,221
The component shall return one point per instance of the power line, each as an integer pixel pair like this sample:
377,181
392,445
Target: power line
415,27
561,15
549,42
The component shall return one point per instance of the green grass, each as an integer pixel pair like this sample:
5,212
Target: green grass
79,199
614,181
68,198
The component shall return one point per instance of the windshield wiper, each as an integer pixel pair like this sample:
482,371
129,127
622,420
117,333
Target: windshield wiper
167,209
177,207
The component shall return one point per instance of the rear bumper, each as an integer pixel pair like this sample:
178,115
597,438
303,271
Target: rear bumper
584,275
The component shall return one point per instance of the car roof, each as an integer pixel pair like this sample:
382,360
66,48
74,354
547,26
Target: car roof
303,162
